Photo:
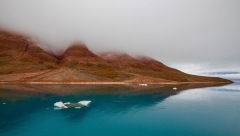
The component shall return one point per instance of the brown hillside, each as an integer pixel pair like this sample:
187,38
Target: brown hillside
19,54
80,58
22,60
144,68
81,54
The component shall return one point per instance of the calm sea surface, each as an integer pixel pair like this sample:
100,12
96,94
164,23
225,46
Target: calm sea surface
122,111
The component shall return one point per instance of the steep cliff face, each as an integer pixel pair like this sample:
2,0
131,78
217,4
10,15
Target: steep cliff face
22,60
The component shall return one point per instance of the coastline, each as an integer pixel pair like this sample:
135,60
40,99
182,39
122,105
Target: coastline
63,88
112,83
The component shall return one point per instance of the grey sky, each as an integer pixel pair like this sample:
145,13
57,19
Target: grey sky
171,31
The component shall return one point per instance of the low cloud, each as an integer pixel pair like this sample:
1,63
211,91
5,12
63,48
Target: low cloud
171,31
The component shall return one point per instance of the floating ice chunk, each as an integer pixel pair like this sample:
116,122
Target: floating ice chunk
143,85
4,103
66,103
60,105
84,103
174,88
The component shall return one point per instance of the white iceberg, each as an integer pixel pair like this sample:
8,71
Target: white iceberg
60,105
84,103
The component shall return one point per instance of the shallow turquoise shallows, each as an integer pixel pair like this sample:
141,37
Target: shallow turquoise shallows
212,111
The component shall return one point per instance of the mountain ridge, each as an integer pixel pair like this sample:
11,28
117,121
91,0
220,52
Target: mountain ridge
22,60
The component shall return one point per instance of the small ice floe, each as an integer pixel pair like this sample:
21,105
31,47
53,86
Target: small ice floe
61,105
66,103
4,103
84,103
174,88
143,85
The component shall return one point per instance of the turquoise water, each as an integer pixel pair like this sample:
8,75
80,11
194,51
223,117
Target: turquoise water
213,111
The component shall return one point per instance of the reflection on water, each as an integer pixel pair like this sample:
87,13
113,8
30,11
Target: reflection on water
120,110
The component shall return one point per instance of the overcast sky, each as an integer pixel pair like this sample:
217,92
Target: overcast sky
175,32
